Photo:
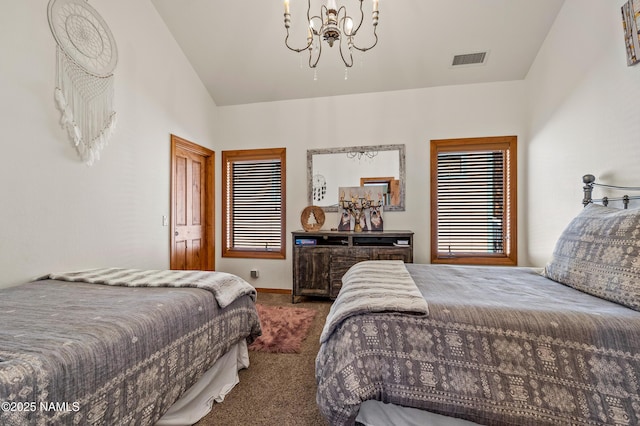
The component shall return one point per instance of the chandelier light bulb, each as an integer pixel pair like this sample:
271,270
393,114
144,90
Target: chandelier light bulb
348,26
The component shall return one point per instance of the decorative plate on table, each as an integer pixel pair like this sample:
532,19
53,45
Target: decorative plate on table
312,218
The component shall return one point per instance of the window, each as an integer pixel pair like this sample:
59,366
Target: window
473,201
253,198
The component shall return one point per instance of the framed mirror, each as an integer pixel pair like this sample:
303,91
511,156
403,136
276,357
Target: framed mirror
377,165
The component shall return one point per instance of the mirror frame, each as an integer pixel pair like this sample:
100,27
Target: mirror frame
402,172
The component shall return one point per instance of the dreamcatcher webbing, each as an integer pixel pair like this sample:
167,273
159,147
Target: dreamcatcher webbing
86,56
86,103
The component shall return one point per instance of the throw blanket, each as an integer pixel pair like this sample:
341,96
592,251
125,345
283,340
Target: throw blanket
225,287
375,286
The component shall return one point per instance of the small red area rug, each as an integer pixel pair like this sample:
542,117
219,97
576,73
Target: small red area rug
283,328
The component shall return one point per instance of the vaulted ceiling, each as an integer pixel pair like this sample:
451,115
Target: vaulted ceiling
237,47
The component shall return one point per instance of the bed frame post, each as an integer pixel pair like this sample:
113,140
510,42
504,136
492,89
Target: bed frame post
587,188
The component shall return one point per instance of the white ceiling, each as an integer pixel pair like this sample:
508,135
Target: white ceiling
237,47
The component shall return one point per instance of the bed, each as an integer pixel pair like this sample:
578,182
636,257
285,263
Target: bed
492,345
117,346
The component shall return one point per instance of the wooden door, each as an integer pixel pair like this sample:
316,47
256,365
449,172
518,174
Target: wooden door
192,206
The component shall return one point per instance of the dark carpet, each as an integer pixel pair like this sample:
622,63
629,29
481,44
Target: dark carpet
277,388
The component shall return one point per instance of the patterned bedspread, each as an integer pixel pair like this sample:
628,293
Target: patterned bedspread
79,353
501,346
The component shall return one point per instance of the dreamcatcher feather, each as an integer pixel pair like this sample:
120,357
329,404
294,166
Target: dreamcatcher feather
86,57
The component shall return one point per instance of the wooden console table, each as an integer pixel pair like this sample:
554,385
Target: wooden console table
321,258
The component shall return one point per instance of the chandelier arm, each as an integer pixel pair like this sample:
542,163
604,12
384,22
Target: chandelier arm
347,64
353,33
346,38
286,43
313,33
364,49
312,28
287,24
313,64
343,22
374,18
323,12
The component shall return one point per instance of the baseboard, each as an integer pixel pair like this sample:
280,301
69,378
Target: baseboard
273,290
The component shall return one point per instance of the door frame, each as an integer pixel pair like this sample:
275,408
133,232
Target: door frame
209,191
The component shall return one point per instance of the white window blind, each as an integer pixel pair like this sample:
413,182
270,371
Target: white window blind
471,203
254,208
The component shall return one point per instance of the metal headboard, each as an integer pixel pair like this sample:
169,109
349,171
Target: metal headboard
590,182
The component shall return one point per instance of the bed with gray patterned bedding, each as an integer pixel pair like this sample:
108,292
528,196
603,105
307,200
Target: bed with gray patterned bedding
504,345
87,353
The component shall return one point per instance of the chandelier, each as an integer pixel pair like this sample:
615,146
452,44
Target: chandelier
333,25
359,155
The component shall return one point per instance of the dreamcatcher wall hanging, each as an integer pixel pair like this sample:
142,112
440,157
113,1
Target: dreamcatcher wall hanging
319,187
86,58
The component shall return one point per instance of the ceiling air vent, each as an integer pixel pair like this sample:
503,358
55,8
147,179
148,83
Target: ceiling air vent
469,59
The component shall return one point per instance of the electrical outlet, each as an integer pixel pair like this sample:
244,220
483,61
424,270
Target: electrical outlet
255,273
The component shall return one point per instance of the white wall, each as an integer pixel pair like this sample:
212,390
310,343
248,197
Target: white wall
584,118
411,117
577,112
58,214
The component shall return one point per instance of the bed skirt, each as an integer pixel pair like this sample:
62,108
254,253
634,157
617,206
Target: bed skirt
212,387
377,413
